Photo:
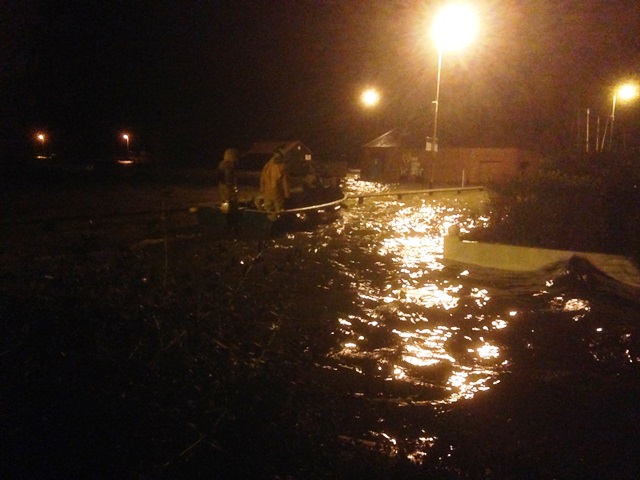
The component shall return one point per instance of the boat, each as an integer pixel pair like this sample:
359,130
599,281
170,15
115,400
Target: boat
316,194
246,218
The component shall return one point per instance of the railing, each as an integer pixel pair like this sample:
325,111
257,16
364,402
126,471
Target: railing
401,193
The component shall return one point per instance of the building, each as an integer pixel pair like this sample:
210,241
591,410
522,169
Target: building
480,166
392,158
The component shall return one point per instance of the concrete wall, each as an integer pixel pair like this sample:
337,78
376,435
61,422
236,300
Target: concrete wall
515,258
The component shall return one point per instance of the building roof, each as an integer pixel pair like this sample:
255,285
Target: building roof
390,139
396,138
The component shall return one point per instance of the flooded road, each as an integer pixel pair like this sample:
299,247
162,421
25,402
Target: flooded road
334,351
423,344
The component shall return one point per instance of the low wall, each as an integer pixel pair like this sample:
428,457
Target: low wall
515,258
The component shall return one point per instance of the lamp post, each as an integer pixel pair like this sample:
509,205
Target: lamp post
370,100
434,148
453,28
125,136
625,92
41,138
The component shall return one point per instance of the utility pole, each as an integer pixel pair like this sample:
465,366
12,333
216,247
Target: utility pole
586,139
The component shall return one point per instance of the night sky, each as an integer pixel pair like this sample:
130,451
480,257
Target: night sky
189,78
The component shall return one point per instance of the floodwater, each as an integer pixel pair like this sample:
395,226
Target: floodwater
460,371
527,358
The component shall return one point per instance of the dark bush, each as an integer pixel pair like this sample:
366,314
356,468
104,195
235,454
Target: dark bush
584,204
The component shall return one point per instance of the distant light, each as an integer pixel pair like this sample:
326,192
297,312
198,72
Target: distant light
41,137
370,97
454,27
125,136
627,91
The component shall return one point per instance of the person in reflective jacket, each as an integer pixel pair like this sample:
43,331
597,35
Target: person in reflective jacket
274,183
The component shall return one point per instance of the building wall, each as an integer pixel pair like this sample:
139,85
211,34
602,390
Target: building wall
379,165
453,166
473,166
489,165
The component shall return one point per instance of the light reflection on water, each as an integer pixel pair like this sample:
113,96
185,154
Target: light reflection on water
409,234
418,333
408,327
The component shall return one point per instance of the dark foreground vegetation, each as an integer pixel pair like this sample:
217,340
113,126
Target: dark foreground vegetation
161,363
580,203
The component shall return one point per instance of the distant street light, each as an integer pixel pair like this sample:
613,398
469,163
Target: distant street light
370,98
453,29
125,136
370,101
41,138
625,93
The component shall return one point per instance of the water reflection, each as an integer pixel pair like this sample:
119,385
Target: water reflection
418,305
421,335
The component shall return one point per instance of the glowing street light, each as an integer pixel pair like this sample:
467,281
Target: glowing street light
125,136
370,98
625,93
453,29
41,138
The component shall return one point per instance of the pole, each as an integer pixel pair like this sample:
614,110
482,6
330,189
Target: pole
598,147
125,137
434,138
586,140
611,118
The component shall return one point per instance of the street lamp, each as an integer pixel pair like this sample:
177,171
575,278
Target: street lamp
41,138
625,93
125,136
453,29
370,98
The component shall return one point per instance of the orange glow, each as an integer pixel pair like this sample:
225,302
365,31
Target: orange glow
454,27
125,137
41,137
627,91
370,97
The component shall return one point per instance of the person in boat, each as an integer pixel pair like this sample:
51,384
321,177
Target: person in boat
227,169
274,183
